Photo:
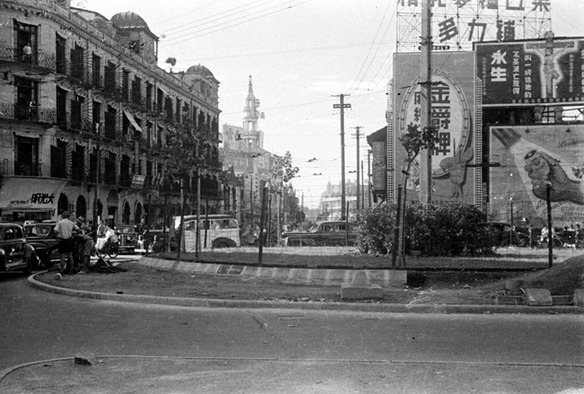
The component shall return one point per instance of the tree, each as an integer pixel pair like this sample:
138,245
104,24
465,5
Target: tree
282,172
171,61
413,141
182,161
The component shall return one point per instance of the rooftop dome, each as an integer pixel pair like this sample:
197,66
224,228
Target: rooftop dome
200,69
130,20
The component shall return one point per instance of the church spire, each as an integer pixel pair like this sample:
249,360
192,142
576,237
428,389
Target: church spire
252,114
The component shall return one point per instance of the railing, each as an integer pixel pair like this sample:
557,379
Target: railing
27,169
28,112
84,124
38,59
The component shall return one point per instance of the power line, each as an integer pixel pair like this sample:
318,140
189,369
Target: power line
221,26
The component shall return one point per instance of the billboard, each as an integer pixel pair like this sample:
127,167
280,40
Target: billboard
531,158
452,92
456,24
531,72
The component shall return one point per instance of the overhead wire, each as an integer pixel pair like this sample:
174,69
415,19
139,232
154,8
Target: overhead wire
229,24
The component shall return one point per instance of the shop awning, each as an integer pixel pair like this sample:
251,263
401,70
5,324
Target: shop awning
132,120
30,194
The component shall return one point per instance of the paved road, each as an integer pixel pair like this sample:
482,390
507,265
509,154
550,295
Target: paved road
37,325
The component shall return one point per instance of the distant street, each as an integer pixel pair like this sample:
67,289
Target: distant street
37,325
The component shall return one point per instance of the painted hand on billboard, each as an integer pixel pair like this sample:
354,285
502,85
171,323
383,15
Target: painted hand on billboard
545,170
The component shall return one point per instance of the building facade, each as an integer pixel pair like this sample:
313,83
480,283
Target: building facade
243,153
87,119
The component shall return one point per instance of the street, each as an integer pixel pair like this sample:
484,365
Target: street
545,351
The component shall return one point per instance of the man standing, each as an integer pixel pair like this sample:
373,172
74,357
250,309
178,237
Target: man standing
64,230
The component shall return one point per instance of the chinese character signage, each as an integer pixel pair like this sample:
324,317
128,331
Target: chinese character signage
452,94
531,158
531,72
457,24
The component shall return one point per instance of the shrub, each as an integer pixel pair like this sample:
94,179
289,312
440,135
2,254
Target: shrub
446,229
376,229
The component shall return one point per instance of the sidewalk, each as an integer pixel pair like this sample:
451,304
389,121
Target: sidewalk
169,282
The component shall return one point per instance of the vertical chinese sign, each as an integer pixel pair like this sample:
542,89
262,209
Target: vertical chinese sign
452,97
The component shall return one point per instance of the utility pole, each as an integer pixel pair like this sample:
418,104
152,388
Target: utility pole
369,191
97,127
342,107
426,95
358,136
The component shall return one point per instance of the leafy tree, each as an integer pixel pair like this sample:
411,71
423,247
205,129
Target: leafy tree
282,168
413,141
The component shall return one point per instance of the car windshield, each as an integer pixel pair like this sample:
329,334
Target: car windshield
314,228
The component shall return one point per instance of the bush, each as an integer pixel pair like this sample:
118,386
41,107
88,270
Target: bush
447,229
376,229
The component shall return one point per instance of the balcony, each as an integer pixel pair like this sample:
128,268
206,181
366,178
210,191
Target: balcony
27,112
39,60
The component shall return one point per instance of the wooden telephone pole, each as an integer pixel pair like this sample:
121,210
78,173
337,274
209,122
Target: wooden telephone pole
426,95
342,107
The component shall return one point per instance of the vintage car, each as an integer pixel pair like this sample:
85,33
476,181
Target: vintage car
15,253
41,235
327,233
127,237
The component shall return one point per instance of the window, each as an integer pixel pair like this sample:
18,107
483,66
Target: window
136,91
77,64
27,150
78,163
110,77
125,85
110,169
60,54
58,160
61,108
148,96
125,178
96,112
110,122
27,99
96,70
76,113
25,37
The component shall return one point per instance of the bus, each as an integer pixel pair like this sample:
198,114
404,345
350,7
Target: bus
216,231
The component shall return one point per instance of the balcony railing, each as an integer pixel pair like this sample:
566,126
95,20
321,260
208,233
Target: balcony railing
28,112
38,59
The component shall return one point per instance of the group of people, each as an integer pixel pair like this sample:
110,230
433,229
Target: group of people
75,237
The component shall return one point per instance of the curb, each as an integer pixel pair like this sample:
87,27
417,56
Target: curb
328,306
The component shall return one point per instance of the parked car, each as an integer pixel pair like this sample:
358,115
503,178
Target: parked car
127,238
155,241
15,253
327,233
43,238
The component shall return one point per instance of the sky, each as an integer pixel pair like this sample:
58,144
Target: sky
301,54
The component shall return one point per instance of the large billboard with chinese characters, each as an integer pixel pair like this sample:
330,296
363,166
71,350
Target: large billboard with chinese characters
531,72
452,92
457,24
531,159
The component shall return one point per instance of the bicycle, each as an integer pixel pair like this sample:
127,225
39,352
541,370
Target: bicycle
112,250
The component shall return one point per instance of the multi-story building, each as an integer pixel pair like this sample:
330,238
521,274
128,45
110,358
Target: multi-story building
87,118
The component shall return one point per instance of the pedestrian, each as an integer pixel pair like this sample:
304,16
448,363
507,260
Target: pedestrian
85,248
83,225
64,230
